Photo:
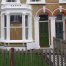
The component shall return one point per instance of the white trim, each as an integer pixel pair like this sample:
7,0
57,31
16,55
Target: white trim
36,25
52,20
23,26
42,9
16,41
16,48
60,8
63,27
30,26
62,1
8,26
2,26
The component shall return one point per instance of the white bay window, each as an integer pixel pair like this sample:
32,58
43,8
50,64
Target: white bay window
16,27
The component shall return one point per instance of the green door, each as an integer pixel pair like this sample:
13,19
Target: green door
43,34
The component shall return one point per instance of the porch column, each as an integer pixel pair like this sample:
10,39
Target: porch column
36,25
23,26
30,27
8,26
53,33
2,26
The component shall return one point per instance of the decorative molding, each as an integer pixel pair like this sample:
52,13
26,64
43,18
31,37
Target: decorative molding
60,8
44,9
36,18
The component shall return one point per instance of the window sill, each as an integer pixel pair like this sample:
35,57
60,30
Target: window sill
16,41
36,3
61,2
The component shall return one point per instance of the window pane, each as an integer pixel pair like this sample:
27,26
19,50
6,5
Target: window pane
26,20
43,17
26,33
16,19
5,33
4,20
13,0
59,30
34,0
10,0
59,17
15,33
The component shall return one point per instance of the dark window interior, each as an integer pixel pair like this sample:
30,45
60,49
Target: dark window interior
16,19
35,0
10,0
59,17
26,20
4,20
43,17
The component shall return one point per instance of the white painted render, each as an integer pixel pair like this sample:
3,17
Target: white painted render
52,20
36,28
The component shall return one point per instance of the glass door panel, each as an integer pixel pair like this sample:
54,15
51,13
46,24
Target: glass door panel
59,30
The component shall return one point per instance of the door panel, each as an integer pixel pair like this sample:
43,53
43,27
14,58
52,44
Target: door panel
43,34
59,30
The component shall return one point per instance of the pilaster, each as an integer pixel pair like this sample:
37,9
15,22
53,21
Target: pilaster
30,27
36,23
23,26
53,33
8,26
2,26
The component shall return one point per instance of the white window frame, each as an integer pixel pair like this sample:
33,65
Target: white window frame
11,1
62,1
28,36
5,2
36,2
